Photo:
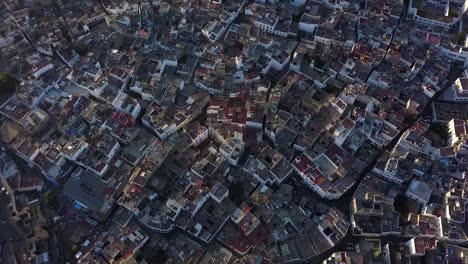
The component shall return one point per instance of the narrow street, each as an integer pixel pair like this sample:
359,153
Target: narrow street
12,244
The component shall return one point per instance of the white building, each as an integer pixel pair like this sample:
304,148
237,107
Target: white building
457,130
419,191
232,151
460,90
307,23
213,31
267,23
42,68
126,104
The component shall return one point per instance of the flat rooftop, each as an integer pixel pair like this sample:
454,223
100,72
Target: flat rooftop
445,111
87,189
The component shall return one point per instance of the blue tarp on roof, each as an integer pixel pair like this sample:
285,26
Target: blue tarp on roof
77,206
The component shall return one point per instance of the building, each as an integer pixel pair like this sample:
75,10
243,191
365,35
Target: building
444,14
88,191
232,151
419,191
32,119
457,131
460,90
197,133
327,174
268,167
373,214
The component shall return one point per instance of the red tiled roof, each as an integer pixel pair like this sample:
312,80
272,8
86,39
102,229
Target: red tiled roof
124,119
302,163
348,123
31,181
319,180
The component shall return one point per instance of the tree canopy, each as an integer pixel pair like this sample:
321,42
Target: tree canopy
7,84
80,48
236,193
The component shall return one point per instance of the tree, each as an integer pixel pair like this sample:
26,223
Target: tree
401,205
410,119
318,62
439,129
80,48
7,84
50,198
332,89
459,38
310,57
236,192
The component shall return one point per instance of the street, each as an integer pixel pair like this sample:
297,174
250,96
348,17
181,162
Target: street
11,242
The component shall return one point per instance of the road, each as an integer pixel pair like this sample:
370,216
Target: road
12,244
7,232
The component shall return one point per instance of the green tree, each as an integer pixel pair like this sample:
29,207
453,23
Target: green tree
410,119
439,129
332,89
7,84
50,198
459,38
376,254
74,248
80,48
236,192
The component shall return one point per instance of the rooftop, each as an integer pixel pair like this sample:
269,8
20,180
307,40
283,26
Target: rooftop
85,187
